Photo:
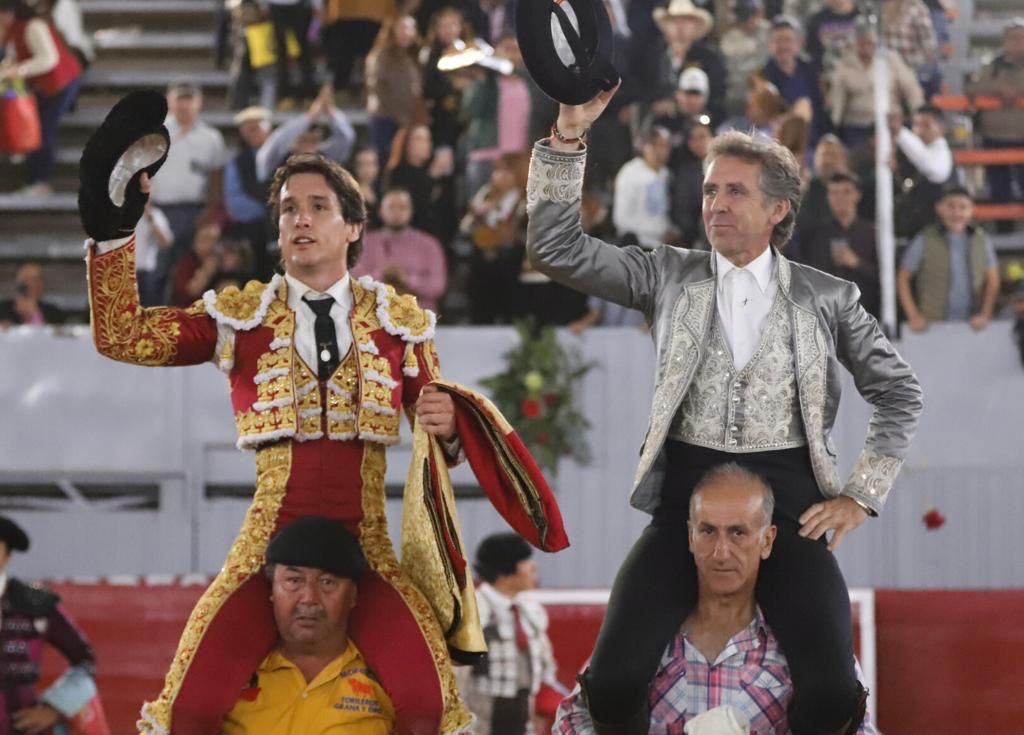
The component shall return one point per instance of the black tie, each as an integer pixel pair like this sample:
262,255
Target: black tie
326,337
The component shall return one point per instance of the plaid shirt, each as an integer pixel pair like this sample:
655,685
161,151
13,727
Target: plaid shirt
750,674
913,35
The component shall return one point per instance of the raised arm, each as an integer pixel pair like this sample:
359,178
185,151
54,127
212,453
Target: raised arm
555,242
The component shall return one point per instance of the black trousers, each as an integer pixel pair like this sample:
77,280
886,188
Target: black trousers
800,590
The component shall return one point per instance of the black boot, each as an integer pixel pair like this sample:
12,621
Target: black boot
860,709
638,722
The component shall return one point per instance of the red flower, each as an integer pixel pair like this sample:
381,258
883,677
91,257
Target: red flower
934,519
530,408
542,438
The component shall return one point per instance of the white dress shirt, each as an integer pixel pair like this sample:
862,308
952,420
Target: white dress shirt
744,297
305,335
934,160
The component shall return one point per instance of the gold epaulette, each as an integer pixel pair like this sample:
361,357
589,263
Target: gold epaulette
243,308
399,314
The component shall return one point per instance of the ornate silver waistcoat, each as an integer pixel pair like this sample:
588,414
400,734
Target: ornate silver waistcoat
749,410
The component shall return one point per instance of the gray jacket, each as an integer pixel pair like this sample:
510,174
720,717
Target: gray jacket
675,289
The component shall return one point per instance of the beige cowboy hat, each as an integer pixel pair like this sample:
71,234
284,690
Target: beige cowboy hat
686,9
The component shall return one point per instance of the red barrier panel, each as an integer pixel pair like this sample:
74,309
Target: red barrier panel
947,661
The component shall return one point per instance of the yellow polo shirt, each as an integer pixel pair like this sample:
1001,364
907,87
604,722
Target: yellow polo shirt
343,698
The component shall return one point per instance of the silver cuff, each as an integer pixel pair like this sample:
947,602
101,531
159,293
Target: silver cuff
555,176
872,479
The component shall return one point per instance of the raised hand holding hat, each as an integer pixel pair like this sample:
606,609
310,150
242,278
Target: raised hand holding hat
130,142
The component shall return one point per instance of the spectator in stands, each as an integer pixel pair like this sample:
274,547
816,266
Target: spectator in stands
908,30
687,188
744,49
198,269
152,236
844,245
495,224
33,616
323,129
793,74
949,273
641,204
924,166
687,106
724,654
28,305
442,101
394,81
500,690
830,34
39,56
349,28
765,110
830,158
428,176
245,194
290,20
314,566
683,26
249,83
1003,76
852,91
365,169
67,19
400,255
191,185
498,109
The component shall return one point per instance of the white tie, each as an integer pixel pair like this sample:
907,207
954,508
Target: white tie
744,324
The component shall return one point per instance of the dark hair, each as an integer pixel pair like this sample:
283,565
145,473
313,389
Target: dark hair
955,190
22,10
344,185
498,555
844,178
932,111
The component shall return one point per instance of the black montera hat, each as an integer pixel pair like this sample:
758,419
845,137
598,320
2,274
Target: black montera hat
131,140
567,47
499,554
318,542
13,535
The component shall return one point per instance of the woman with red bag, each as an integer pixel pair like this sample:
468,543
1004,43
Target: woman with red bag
41,57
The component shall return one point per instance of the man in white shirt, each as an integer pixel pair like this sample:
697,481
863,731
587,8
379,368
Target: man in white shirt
641,200
192,175
750,348
924,166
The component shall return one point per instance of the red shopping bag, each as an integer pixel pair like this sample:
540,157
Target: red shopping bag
19,119
90,720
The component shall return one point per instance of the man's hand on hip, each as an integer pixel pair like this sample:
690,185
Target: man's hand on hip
840,515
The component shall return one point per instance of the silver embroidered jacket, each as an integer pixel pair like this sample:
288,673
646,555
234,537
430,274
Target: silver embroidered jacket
675,289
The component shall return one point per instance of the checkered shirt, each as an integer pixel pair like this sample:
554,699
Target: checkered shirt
913,36
750,674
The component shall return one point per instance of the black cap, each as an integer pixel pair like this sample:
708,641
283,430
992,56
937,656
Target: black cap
577,66
744,9
498,555
321,543
13,535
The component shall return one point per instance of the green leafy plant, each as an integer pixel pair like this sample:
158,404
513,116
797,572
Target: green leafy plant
536,393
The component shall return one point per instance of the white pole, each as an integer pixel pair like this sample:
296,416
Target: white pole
885,233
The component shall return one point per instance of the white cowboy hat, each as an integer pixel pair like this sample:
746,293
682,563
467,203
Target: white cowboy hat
686,9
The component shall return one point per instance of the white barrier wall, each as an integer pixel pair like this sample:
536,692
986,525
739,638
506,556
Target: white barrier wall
74,418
